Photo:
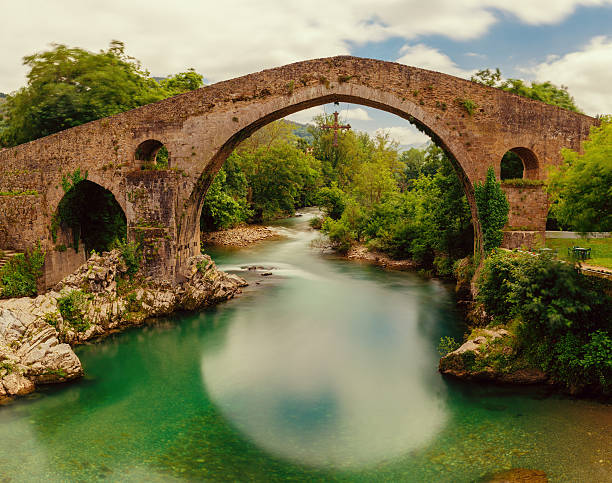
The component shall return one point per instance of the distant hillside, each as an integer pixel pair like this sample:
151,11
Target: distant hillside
300,130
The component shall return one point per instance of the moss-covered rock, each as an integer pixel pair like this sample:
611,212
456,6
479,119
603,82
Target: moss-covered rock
490,355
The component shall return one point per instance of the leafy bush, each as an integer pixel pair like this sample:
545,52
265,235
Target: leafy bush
332,200
338,233
51,318
18,278
316,222
131,254
72,307
447,345
580,188
225,205
564,318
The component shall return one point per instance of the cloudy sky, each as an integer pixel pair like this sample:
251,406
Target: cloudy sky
566,41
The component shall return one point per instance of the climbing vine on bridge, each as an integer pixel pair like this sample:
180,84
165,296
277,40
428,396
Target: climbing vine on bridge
493,210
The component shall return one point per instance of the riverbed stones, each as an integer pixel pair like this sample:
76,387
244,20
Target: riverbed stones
361,252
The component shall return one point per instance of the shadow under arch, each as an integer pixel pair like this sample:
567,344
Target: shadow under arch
90,214
529,160
189,229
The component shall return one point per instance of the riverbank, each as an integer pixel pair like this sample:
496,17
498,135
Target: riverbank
493,349
240,236
360,252
99,299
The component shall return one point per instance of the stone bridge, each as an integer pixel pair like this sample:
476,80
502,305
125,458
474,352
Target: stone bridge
201,128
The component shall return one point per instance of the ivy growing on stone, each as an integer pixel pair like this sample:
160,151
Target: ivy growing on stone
493,210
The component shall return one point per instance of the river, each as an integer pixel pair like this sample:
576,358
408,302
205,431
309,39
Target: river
324,370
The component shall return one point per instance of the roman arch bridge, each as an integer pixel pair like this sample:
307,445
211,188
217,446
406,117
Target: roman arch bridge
475,124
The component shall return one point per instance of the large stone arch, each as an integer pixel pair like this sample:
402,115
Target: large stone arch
244,122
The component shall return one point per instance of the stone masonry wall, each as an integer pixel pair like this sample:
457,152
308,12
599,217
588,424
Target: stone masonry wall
528,207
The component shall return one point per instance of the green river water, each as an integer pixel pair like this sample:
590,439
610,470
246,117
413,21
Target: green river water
324,371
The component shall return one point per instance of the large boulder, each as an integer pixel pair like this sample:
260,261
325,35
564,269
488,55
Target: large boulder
489,355
30,351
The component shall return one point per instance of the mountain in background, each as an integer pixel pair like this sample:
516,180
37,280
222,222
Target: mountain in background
300,130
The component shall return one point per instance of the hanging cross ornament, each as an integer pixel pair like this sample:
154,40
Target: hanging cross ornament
336,127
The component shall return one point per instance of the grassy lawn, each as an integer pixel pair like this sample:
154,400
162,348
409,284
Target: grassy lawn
601,249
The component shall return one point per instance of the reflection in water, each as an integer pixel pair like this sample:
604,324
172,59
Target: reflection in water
304,380
324,371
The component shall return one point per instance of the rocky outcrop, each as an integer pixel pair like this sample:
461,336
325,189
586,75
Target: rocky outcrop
489,355
97,300
30,351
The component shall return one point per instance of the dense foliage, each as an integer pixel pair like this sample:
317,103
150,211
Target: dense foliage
582,186
540,91
71,86
564,319
267,177
408,204
19,276
493,210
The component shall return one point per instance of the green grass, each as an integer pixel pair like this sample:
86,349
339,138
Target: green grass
601,249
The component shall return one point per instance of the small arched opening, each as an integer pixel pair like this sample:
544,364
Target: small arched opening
519,163
152,154
87,216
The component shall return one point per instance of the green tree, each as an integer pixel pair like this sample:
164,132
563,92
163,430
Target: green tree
493,210
182,82
333,200
71,86
280,177
540,91
225,204
582,187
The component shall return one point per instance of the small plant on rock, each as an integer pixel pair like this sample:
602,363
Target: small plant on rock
131,254
72,307
447,345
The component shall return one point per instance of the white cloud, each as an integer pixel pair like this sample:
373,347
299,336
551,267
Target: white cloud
404,135
305,116
542,12
357,114
354,114
225,39
586,73
426,57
